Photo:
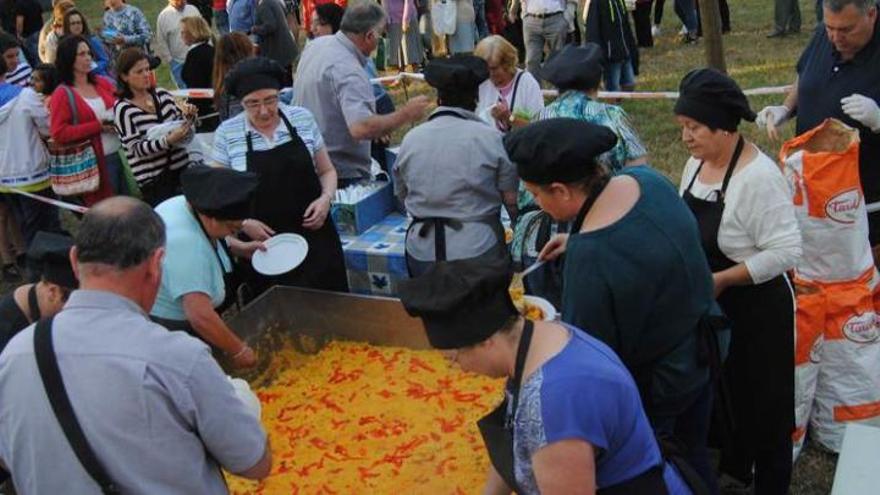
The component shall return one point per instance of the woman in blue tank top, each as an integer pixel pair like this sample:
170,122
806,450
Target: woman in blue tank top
571,420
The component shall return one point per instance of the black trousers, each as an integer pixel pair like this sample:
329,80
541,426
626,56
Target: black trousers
658,11
165,186
874,228
33,215
760,375
642,23
725,17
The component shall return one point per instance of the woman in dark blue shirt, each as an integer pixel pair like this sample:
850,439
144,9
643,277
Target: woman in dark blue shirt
635,275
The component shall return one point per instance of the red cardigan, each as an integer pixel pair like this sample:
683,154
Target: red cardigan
62,129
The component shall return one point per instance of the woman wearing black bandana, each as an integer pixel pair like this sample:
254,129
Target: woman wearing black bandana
750,235
571,421
634,274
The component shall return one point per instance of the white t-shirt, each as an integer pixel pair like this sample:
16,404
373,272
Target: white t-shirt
758,226
109,140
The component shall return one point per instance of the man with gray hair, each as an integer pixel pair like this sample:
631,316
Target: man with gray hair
155,410
332,83
838,76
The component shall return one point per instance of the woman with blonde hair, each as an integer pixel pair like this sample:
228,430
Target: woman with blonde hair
53,30
198,66
510,95
231,48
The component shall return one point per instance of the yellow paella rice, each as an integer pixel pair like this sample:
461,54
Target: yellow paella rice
357,418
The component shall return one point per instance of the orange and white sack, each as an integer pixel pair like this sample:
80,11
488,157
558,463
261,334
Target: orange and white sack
837,374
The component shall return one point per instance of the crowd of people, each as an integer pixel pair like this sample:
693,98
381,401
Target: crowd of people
676,307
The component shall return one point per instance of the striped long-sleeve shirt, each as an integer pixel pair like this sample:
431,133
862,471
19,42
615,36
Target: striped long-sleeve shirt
148,157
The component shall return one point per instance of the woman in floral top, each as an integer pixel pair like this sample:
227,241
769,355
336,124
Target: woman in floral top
577,73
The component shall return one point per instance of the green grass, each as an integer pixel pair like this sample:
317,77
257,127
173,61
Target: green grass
94,10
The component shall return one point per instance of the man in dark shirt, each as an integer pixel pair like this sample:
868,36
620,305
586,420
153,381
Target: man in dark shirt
839,77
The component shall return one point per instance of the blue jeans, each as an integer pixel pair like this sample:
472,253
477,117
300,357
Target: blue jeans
31,52
34,215
116,173
618,75
482,25
221,21
686,10
177,73
691,427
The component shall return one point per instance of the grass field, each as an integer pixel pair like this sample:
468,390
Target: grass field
752,60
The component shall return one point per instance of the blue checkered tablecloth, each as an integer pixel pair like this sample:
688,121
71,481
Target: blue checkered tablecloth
375,259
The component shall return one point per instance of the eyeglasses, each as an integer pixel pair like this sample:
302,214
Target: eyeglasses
256,104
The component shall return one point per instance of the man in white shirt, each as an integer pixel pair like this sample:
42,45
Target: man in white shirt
170,48
545,25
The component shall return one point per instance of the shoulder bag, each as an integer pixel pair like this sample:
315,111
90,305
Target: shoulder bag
73,167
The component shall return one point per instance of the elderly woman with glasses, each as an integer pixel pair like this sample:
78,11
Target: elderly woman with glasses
284,147
510,95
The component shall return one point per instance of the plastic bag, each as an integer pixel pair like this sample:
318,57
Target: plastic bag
443,14
837,363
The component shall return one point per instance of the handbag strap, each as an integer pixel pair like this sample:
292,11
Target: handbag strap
72,102
54,384
515,88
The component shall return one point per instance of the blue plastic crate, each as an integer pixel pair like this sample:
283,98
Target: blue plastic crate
357,218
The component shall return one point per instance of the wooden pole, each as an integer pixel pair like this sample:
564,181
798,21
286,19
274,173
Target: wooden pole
710,16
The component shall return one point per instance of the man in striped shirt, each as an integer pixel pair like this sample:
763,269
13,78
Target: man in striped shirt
19,72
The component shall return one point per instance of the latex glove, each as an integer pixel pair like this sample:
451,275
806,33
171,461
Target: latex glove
772,117
862,109
630,5
246,395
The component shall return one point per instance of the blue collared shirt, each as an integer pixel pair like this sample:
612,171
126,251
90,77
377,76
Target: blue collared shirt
155,406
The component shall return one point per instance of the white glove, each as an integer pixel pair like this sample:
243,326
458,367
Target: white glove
862,109
630,5
772,117
246,395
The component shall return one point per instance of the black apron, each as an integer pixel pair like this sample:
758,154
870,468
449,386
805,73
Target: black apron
288,184
439,224
761,363
497,426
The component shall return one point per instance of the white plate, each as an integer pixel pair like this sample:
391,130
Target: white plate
283,253
547,308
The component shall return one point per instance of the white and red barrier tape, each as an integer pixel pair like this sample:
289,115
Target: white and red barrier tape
608,95
638,95
55,202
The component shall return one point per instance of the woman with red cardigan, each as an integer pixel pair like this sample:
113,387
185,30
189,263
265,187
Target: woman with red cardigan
93,97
